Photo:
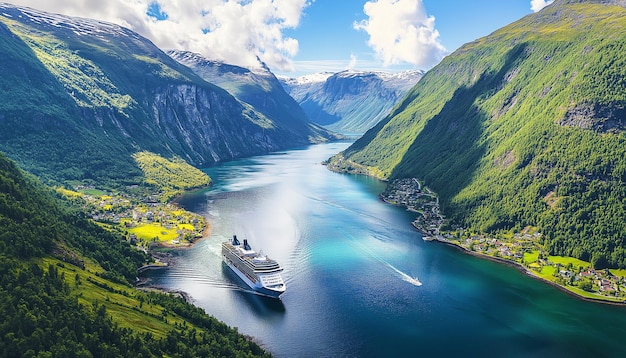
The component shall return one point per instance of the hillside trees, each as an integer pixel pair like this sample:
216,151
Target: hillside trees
524,127
41,313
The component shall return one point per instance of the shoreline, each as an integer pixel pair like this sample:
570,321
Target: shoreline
166,258
204,233
169,260
407,193
180,293
523,269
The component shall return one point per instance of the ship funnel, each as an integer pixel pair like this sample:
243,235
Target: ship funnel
235,241
245,245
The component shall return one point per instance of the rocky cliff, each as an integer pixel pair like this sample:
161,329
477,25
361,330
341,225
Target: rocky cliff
259,88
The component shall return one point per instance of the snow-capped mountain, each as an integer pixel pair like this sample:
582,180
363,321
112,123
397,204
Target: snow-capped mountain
77,25
350,102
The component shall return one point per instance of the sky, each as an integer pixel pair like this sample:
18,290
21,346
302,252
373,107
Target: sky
298,37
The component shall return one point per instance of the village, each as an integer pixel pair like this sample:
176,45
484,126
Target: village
147,222
521,249
408,192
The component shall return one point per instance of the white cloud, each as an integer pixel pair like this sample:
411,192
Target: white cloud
401,32
233,31
536,5
353,61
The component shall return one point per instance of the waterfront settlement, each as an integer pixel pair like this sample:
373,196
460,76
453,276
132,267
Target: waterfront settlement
523,250
149,223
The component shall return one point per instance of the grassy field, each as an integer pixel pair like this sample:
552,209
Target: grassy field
150,231
127,306
69,193
549,273
188,227
94,192
564,261
616,272
531,257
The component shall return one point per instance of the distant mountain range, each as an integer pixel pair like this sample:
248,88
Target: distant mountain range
524,127
350,102
78,97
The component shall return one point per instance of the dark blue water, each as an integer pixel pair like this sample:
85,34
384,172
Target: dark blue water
361,282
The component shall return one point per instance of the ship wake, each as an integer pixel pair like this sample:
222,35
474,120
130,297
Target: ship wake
412,280
404,276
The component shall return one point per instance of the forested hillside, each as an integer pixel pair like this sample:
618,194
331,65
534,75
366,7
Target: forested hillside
64,288
78,97
524,127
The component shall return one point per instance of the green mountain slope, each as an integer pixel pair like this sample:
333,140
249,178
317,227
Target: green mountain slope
64,288
78,97
171,177
523,127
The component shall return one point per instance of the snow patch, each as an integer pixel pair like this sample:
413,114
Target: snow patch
80,26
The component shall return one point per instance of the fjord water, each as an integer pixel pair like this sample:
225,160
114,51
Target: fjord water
360,280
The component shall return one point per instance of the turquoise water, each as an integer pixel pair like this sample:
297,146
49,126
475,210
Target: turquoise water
361,282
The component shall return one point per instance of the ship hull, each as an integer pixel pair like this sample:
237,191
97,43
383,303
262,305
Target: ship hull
257,287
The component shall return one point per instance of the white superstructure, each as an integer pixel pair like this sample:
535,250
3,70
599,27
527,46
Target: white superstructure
259,272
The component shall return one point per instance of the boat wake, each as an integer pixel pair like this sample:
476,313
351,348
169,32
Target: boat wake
404,276
412,280
227,284
201,279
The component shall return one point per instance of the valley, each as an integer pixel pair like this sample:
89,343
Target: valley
353,263
350,102
123,166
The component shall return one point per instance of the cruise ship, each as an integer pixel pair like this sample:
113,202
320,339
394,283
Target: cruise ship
259,272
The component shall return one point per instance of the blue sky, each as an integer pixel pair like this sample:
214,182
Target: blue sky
296,37
327,38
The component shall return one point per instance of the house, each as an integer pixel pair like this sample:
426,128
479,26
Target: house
605,285
588,273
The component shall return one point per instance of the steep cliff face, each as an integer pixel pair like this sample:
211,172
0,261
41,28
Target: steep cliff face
350,101
80,96
198,124
259,88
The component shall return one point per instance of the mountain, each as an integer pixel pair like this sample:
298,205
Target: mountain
524,127
350,102
257,87
78,97
65,288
